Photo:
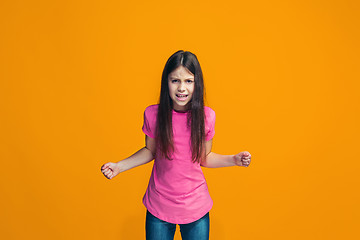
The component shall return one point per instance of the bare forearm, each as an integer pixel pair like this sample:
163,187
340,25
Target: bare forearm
214,160
141,157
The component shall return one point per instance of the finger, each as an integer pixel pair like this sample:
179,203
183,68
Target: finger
105,174
105,166
108,165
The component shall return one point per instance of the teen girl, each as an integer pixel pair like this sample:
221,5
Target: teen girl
178,134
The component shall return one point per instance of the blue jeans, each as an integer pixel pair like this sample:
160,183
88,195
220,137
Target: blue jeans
157,229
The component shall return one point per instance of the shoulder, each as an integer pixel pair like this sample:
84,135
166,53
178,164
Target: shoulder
151,111
209,112
152,108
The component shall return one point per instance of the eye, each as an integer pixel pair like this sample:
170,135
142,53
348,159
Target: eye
174,80
189,81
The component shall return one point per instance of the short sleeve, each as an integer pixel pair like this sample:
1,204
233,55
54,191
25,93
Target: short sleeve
209,123
149,121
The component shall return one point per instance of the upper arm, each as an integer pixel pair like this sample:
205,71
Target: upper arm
209,123
149,125
150,144
208,146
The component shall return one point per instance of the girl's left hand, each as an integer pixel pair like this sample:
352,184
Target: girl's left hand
242,159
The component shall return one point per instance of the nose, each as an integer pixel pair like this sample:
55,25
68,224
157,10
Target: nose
181,88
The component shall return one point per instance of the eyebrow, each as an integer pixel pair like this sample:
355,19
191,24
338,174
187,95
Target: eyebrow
192,78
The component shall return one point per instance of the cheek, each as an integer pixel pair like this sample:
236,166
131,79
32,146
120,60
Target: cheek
172,92
171,89
191,89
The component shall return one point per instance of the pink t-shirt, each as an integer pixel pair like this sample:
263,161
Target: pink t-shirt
177,190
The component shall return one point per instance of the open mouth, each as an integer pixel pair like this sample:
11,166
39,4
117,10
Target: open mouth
181,97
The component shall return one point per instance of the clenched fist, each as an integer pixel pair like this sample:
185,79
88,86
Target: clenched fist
242,159
110,169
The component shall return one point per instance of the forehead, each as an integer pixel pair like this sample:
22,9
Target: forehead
181,72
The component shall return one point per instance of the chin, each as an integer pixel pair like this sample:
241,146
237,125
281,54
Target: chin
181,105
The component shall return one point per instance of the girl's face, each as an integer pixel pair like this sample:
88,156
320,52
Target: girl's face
181,87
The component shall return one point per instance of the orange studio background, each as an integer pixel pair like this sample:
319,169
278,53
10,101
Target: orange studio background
282,76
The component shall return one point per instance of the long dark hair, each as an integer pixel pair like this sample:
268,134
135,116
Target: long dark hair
196,116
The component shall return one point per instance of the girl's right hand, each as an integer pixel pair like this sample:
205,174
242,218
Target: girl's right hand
110,169
243,159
